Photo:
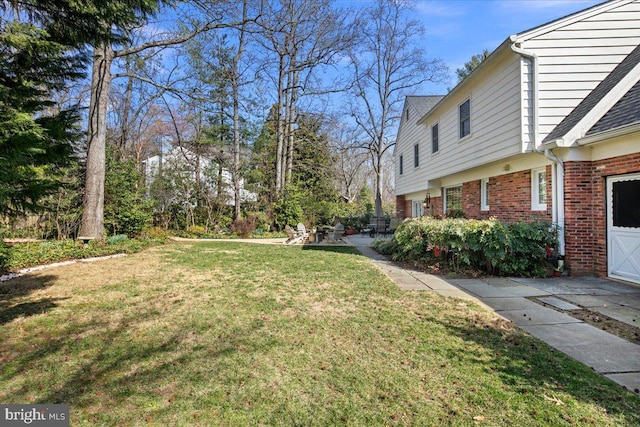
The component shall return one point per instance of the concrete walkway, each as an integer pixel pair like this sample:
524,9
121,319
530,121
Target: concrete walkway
609,355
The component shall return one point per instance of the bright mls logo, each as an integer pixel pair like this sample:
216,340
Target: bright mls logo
34,415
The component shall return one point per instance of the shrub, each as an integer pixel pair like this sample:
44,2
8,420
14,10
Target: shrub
5,254
31,254
244,227
196,231
155,233
116,239
488,245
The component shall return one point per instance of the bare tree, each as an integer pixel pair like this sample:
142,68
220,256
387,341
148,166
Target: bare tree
352,171
388,62
302,36
103,58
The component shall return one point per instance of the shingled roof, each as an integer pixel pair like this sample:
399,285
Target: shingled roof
596,95
625,112
423,104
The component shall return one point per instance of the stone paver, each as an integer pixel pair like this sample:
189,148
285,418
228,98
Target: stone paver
538,316
510,303
558,303
628,315
611,356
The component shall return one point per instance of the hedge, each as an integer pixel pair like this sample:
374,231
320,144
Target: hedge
517,249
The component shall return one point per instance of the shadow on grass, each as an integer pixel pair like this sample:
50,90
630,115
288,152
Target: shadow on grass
18,288
336,249
115,370
525,362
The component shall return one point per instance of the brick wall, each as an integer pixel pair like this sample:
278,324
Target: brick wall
400,208
586,211
436,207
579,194
509,198
403,208
471,199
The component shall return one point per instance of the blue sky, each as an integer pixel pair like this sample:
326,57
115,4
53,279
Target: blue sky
459,29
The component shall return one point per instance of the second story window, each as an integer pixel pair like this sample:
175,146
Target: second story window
434,139
465,118
401,165
416,156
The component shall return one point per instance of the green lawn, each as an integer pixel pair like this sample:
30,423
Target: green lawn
238,334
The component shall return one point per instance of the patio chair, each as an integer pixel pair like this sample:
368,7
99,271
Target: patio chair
393,224
293,236
302,231
381,227
336,234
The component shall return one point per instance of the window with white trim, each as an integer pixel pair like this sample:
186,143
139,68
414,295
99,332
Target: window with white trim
484,194
418,209
401,165
453,198
416,156
539,189
465,118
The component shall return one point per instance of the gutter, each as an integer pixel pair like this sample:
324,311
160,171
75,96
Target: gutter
609,134
557,171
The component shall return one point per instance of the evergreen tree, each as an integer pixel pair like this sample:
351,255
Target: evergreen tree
36,136
471,65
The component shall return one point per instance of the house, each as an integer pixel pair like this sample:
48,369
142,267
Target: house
547,127
181,162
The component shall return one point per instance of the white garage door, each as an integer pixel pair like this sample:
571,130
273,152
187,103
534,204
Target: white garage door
623,219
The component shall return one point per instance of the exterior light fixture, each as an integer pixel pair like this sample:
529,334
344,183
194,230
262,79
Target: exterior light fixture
427,201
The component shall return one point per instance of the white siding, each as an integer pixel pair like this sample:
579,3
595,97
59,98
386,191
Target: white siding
410,134
575,58
496,130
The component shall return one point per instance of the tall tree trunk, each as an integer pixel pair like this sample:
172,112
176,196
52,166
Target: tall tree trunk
93,204
292,119
280,127
235,81
128,94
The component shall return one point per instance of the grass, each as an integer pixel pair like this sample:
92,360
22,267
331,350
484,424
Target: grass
237,334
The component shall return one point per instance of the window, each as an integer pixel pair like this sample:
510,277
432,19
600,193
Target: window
406,114
416,156
453,198
484,194
434,138
401,165
465,118
418,209
539,190
626,204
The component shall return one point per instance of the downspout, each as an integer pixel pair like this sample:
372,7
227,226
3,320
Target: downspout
557,171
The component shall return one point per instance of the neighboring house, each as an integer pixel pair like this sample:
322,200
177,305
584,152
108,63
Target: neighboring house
180,161
547,127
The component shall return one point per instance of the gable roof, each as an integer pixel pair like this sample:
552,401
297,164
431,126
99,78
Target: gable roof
569,19
422,104
626,112
596,95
